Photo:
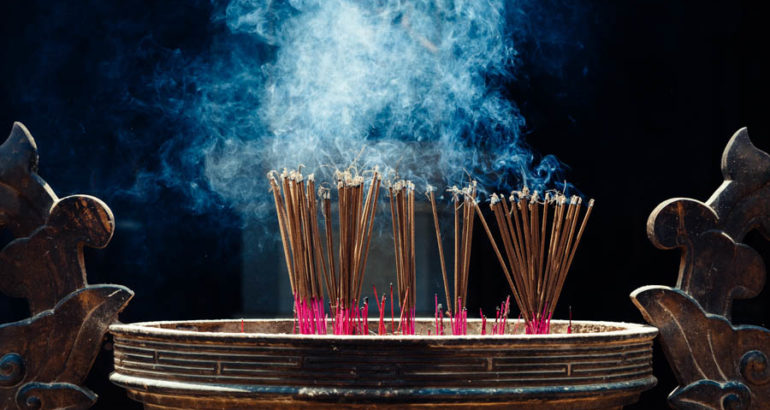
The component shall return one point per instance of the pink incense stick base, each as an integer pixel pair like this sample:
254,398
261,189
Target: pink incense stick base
213,364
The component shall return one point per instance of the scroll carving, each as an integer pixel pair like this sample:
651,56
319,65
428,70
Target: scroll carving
45,358
718,365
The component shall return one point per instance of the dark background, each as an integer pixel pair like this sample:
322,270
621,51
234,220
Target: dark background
638,98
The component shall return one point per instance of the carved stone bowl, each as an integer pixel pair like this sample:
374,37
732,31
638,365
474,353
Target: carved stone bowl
212,364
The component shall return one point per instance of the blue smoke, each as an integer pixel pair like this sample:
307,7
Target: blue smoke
413,88
195,103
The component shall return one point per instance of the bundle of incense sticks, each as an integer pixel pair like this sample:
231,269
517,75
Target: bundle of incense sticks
298,224
539,237
459,321
356,221
352,320
311,266
464,204
402,210
310,316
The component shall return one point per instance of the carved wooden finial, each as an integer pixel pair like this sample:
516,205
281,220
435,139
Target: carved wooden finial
45,357
717,364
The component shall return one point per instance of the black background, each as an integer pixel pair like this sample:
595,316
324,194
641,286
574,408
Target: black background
640,111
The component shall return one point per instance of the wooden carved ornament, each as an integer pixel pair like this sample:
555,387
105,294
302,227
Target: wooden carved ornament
45,358
718,365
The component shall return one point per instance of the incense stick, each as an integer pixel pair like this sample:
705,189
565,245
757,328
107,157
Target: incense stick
539,240
356,220
432,198
310,259
402,211
464,204
298,226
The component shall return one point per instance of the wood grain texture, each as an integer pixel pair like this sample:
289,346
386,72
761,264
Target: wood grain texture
718,365
45,358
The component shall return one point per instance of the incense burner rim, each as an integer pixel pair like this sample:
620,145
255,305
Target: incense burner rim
128,381
152,328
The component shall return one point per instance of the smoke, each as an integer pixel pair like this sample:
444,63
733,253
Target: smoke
413,88
195,104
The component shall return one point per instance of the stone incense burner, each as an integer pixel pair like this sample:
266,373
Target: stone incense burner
263,363
260,363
